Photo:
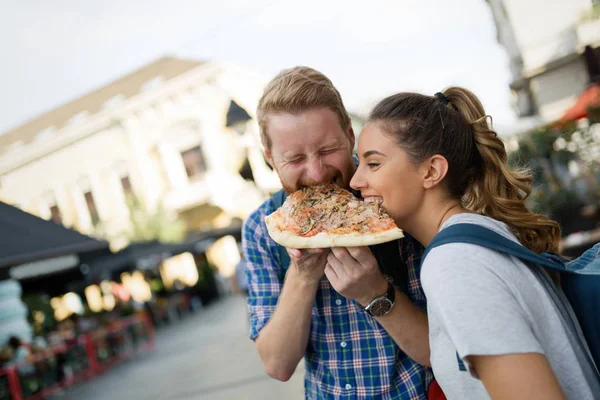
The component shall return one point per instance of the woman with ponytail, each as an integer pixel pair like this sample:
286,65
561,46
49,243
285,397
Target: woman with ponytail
434,161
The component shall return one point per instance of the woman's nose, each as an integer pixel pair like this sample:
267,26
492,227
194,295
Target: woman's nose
357,182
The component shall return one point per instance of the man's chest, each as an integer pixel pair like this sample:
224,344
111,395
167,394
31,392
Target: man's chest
340,325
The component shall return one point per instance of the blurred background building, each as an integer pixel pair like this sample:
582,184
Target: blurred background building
553,50
140,187
176,137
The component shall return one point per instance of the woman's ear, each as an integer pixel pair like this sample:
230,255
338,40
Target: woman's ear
434,171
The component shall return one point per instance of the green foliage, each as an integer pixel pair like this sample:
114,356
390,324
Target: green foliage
39,303
146,225
592,13
156,225
547,152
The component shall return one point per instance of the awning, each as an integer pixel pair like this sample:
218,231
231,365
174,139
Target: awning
27,239
589,98
236,114
147,255
134,256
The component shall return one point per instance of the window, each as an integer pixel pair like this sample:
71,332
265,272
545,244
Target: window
126,185
91,205
55,214
194,163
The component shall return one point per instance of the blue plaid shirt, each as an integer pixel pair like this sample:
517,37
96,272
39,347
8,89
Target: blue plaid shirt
349,355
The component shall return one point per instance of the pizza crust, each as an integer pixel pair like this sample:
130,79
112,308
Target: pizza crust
325,240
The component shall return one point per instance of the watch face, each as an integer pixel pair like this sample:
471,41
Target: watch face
380,307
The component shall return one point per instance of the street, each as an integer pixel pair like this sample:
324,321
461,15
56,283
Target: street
206,355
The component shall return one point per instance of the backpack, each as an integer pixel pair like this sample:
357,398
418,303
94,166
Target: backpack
579,300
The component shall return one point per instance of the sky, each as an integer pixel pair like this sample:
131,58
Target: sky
55,51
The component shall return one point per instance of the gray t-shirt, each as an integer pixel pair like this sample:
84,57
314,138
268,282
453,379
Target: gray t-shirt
482,302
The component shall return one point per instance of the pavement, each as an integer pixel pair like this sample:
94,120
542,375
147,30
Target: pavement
205,355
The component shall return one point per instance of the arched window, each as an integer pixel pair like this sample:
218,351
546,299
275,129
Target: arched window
194,162
187,138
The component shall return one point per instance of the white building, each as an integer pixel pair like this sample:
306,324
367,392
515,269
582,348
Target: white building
546,42
159,133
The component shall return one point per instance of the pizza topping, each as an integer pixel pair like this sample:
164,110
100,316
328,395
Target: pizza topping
326,216
307,226
329,208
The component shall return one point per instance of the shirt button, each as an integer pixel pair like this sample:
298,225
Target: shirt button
343,344
348,386
338,302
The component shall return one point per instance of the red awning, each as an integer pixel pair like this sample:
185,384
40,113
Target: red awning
589,98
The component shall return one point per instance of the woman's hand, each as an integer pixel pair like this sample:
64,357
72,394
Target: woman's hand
353,272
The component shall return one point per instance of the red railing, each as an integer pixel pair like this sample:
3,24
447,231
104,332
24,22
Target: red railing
86,356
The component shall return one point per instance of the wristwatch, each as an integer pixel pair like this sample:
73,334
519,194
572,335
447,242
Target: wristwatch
380,306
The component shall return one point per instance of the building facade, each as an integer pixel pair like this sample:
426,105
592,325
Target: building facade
159,135
553,49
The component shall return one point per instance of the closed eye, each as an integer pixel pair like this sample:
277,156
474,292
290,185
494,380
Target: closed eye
373,165
328,151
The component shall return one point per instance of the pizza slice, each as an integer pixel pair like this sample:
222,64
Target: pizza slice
329,216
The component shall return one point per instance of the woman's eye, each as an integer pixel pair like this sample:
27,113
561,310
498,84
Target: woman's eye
373,165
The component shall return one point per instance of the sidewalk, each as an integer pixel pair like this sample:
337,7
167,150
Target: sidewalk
205,356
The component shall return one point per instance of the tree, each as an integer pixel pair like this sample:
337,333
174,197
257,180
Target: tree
144,225
157,225
547,151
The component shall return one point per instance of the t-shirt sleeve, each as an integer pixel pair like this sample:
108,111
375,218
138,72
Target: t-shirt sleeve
470,292
263,273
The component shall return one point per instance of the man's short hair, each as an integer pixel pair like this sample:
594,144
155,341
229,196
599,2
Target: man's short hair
295,90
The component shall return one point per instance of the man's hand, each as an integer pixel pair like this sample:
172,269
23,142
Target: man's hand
308,263
353,273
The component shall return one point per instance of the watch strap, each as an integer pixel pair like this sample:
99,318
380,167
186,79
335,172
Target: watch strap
390,295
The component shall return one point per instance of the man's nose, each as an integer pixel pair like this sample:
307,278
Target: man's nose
317,172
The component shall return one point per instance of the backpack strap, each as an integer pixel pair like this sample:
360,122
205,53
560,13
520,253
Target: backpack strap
481,236
282,256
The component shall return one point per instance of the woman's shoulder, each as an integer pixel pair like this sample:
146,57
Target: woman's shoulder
459,261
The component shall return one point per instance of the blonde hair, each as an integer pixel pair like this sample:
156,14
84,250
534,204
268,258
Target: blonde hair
295,90
455,126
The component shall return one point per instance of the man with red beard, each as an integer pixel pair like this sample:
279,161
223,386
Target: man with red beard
314,303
